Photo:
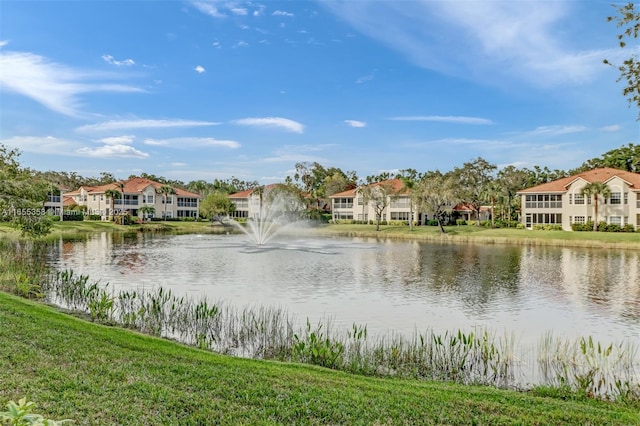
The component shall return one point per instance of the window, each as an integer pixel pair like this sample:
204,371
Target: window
399,215
626,198
615,220
343,215
342,203
168,199
544,201
579,199
187,202
147,199
570,199
578,219
615,198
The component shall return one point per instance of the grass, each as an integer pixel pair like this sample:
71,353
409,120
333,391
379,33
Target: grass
105,375
472,233
454,234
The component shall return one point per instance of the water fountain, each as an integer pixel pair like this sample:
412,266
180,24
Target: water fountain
279,211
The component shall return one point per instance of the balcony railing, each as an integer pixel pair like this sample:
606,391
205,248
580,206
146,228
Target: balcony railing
53,199
126,202
342,205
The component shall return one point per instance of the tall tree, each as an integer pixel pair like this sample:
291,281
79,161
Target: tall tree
378,196
409,178
22,196
628,20
113,194
511,180
472,180
165,190
624,158
435,194
595,190
216,204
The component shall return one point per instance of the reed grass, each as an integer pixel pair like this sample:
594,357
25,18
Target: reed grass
477,357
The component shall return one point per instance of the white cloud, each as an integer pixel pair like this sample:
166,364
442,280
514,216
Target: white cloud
110,60
112,151
355,123
557,130
216,44
178,164
53,85
365,78
4,43
193,142
41,144
483,41
241,11
199,69
142,124
118,140
612,128
207,8
445,119
282,13
284,123
241,44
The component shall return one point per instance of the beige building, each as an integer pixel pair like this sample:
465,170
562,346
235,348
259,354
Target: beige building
350,205
561,203
138,192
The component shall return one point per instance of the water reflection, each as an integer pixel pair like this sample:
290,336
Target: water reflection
387,285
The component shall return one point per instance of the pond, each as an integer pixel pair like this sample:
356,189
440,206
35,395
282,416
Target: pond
391,286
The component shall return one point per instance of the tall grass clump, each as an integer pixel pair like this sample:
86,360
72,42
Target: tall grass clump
590,368
476,357
23,267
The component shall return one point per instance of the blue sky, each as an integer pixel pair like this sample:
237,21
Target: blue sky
213,89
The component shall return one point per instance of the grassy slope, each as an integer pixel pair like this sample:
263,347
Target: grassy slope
101,375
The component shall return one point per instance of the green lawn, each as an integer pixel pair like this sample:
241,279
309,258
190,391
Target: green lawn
472,233
103,375
466,233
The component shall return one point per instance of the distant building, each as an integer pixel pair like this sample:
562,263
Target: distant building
561,203
138,192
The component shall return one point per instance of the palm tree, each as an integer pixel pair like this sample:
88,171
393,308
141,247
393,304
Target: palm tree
113,194
595,189
146,210
409,183
259,191
165,190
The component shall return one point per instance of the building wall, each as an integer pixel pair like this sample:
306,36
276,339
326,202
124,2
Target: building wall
622,207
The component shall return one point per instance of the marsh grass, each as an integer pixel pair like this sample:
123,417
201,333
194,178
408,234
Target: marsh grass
477,357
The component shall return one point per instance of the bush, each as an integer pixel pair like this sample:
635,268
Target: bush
72,215
461,222
432,222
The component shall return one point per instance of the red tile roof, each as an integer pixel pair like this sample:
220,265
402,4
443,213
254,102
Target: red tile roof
137,185
247,193
595,175
68,201
396,184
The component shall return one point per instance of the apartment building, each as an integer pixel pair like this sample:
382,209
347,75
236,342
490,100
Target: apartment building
561,202
138,193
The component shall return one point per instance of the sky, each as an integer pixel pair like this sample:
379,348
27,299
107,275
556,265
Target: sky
208,90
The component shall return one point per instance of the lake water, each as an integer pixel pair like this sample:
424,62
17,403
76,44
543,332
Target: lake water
394,286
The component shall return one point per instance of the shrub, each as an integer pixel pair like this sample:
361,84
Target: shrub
461,222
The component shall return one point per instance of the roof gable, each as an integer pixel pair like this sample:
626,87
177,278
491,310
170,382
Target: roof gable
603,174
